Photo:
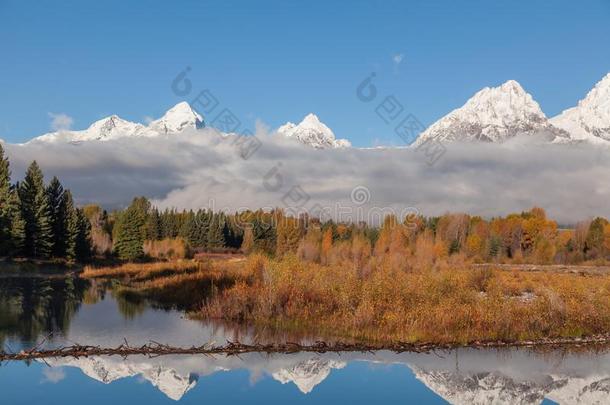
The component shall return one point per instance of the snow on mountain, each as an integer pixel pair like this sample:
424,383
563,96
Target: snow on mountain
482,388
107,370
307,374
590,119
176,119
314,133
493,115
496,388
482,384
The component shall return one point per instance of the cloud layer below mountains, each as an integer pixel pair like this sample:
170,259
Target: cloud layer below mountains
203,169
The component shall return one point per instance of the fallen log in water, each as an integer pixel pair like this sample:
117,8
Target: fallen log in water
154,349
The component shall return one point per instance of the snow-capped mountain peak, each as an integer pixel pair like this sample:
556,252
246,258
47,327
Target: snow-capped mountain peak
500,105
107,370
311,131
307,374
494,114
110,128
178,118
590,119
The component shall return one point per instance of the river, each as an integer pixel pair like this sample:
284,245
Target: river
64,311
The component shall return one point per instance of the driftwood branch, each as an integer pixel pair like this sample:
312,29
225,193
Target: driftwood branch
154,349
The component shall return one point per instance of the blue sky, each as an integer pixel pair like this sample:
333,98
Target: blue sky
276,61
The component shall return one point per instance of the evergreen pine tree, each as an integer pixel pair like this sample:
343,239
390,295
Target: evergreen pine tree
234,233
216,238
17,226
152,229
169,227
202,222
55,193
6,207
130,231
11,223
70,225
187,229
83,236
37,214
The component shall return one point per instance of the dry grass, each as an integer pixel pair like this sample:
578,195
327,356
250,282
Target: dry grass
172,249
184,284
142,271
379,299
446,304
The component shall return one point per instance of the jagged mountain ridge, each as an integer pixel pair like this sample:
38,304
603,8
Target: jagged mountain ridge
106,370
493,115
311,131
176,119
307,374
495,388
456,387
590,119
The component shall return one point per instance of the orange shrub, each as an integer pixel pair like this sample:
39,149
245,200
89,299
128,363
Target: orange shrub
171,249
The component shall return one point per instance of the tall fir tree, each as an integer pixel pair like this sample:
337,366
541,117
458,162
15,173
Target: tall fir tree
170,226
55,193
153,225
71,226
37,214
130,232
216,232
83,236
12,227
5,209
200,236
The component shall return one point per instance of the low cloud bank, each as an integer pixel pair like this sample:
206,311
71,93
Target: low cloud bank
203,169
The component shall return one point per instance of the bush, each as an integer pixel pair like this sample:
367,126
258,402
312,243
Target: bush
171,249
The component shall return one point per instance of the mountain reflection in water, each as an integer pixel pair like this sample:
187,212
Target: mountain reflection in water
465,376
81,312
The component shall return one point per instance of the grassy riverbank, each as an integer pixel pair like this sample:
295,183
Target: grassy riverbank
452,303
183,284
444,305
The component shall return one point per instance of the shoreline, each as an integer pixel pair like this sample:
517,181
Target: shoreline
155,349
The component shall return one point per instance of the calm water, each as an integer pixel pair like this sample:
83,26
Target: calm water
76,311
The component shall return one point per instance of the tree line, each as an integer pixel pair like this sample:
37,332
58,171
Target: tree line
526,237
39,220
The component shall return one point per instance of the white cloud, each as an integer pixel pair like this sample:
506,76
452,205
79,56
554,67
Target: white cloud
397,58
195,168
61,122
53,375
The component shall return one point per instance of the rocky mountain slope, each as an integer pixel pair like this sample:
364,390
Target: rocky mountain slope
176,119
312,132
493,115
590,120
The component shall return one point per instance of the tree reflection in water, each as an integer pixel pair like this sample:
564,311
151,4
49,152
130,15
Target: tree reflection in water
31,308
